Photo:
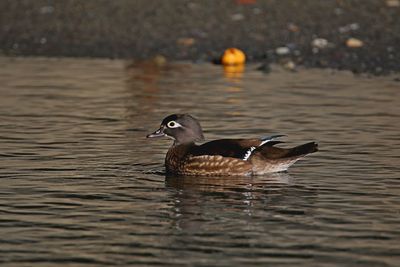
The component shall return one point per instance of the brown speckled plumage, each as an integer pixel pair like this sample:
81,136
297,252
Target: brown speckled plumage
224,156
180,159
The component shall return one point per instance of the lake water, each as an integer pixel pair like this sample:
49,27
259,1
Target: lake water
82,186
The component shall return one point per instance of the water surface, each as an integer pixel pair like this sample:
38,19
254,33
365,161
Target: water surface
81,186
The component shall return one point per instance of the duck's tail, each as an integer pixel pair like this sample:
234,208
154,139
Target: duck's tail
267,159
304,149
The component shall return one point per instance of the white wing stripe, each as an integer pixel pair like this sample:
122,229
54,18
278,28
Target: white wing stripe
248,153
264,141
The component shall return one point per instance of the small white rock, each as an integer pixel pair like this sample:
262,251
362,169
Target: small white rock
237,17
283,50
320,43
290,65
354,26
349,27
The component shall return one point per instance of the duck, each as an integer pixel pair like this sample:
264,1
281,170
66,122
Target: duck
223,157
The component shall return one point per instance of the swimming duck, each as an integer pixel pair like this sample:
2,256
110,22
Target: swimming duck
224,156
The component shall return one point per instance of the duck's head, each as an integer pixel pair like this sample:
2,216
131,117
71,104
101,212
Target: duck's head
183,128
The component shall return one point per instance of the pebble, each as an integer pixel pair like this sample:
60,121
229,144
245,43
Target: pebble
349,27
186,41
289,65
237,17
293,27
320,43
159,60
283,50
354,43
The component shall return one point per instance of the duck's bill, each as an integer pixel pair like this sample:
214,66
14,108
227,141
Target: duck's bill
158,133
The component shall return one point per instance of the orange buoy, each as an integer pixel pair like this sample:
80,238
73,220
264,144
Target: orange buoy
233,56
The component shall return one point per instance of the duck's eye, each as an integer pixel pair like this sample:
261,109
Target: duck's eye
173,124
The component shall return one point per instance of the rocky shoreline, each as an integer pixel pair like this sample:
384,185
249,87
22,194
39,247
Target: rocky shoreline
358,35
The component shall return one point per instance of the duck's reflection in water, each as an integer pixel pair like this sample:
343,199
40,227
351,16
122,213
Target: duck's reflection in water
224,183
203,201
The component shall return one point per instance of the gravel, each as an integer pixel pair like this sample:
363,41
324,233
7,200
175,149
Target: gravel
359,35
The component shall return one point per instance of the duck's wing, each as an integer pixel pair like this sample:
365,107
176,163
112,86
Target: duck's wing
234,148
268,151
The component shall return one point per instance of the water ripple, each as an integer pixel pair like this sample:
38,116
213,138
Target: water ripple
81,186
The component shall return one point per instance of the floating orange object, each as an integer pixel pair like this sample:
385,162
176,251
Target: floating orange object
233,56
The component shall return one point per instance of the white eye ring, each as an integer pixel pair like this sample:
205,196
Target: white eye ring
173,124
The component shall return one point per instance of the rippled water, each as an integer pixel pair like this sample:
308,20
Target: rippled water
81,186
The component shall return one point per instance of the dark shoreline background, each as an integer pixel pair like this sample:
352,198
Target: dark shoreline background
268,31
